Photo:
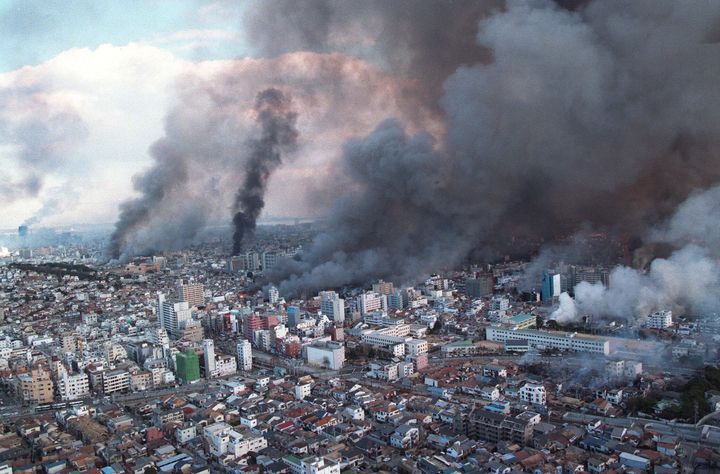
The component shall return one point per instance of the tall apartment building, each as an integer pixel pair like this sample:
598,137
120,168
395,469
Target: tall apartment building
115,381
371,301
660,320
251,323
36,386
191,293
479,286
244,355
209,355
74,387
273,294
173,316
551,285
333,306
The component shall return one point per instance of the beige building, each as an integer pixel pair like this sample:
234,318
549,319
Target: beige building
193,293
37,386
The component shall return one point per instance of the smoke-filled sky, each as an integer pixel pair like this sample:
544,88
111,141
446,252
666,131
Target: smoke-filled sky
428,130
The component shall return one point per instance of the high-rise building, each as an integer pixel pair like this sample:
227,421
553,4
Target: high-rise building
173,316
551,285
371,301
36,386
332,306
209,354
397,299
660,320
293,316
244,355
479,287
269,260
251,323
192,293
273,294
188,366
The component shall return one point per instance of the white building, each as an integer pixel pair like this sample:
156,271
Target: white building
302,391
225,365
209,355
371,301
74,387
416,347
115,381
660,320
173,316
312,465
273,295
329,354
332,305
244,355
550,339
533,393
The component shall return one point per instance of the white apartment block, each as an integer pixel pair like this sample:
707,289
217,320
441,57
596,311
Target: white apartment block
330,355
371,301
244,355
660,320
416,347
550,339
225,365
332,306
74,387
115,381
533,393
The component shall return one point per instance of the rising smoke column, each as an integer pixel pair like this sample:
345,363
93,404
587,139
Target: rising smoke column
277,118
606,116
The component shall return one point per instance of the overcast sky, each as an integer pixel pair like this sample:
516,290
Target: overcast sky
110,67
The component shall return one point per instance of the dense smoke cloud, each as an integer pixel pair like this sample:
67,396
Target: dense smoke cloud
279,136
205,151
425,41
606,116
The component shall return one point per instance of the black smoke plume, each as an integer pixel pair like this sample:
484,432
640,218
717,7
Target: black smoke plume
277,118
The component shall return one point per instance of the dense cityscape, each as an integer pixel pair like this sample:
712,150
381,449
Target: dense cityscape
359,236
183,361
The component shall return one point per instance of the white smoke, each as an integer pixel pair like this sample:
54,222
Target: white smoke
687,282
566,312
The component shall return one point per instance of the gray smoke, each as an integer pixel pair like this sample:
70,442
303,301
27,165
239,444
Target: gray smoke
424,41
203,155
277,118
606,116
